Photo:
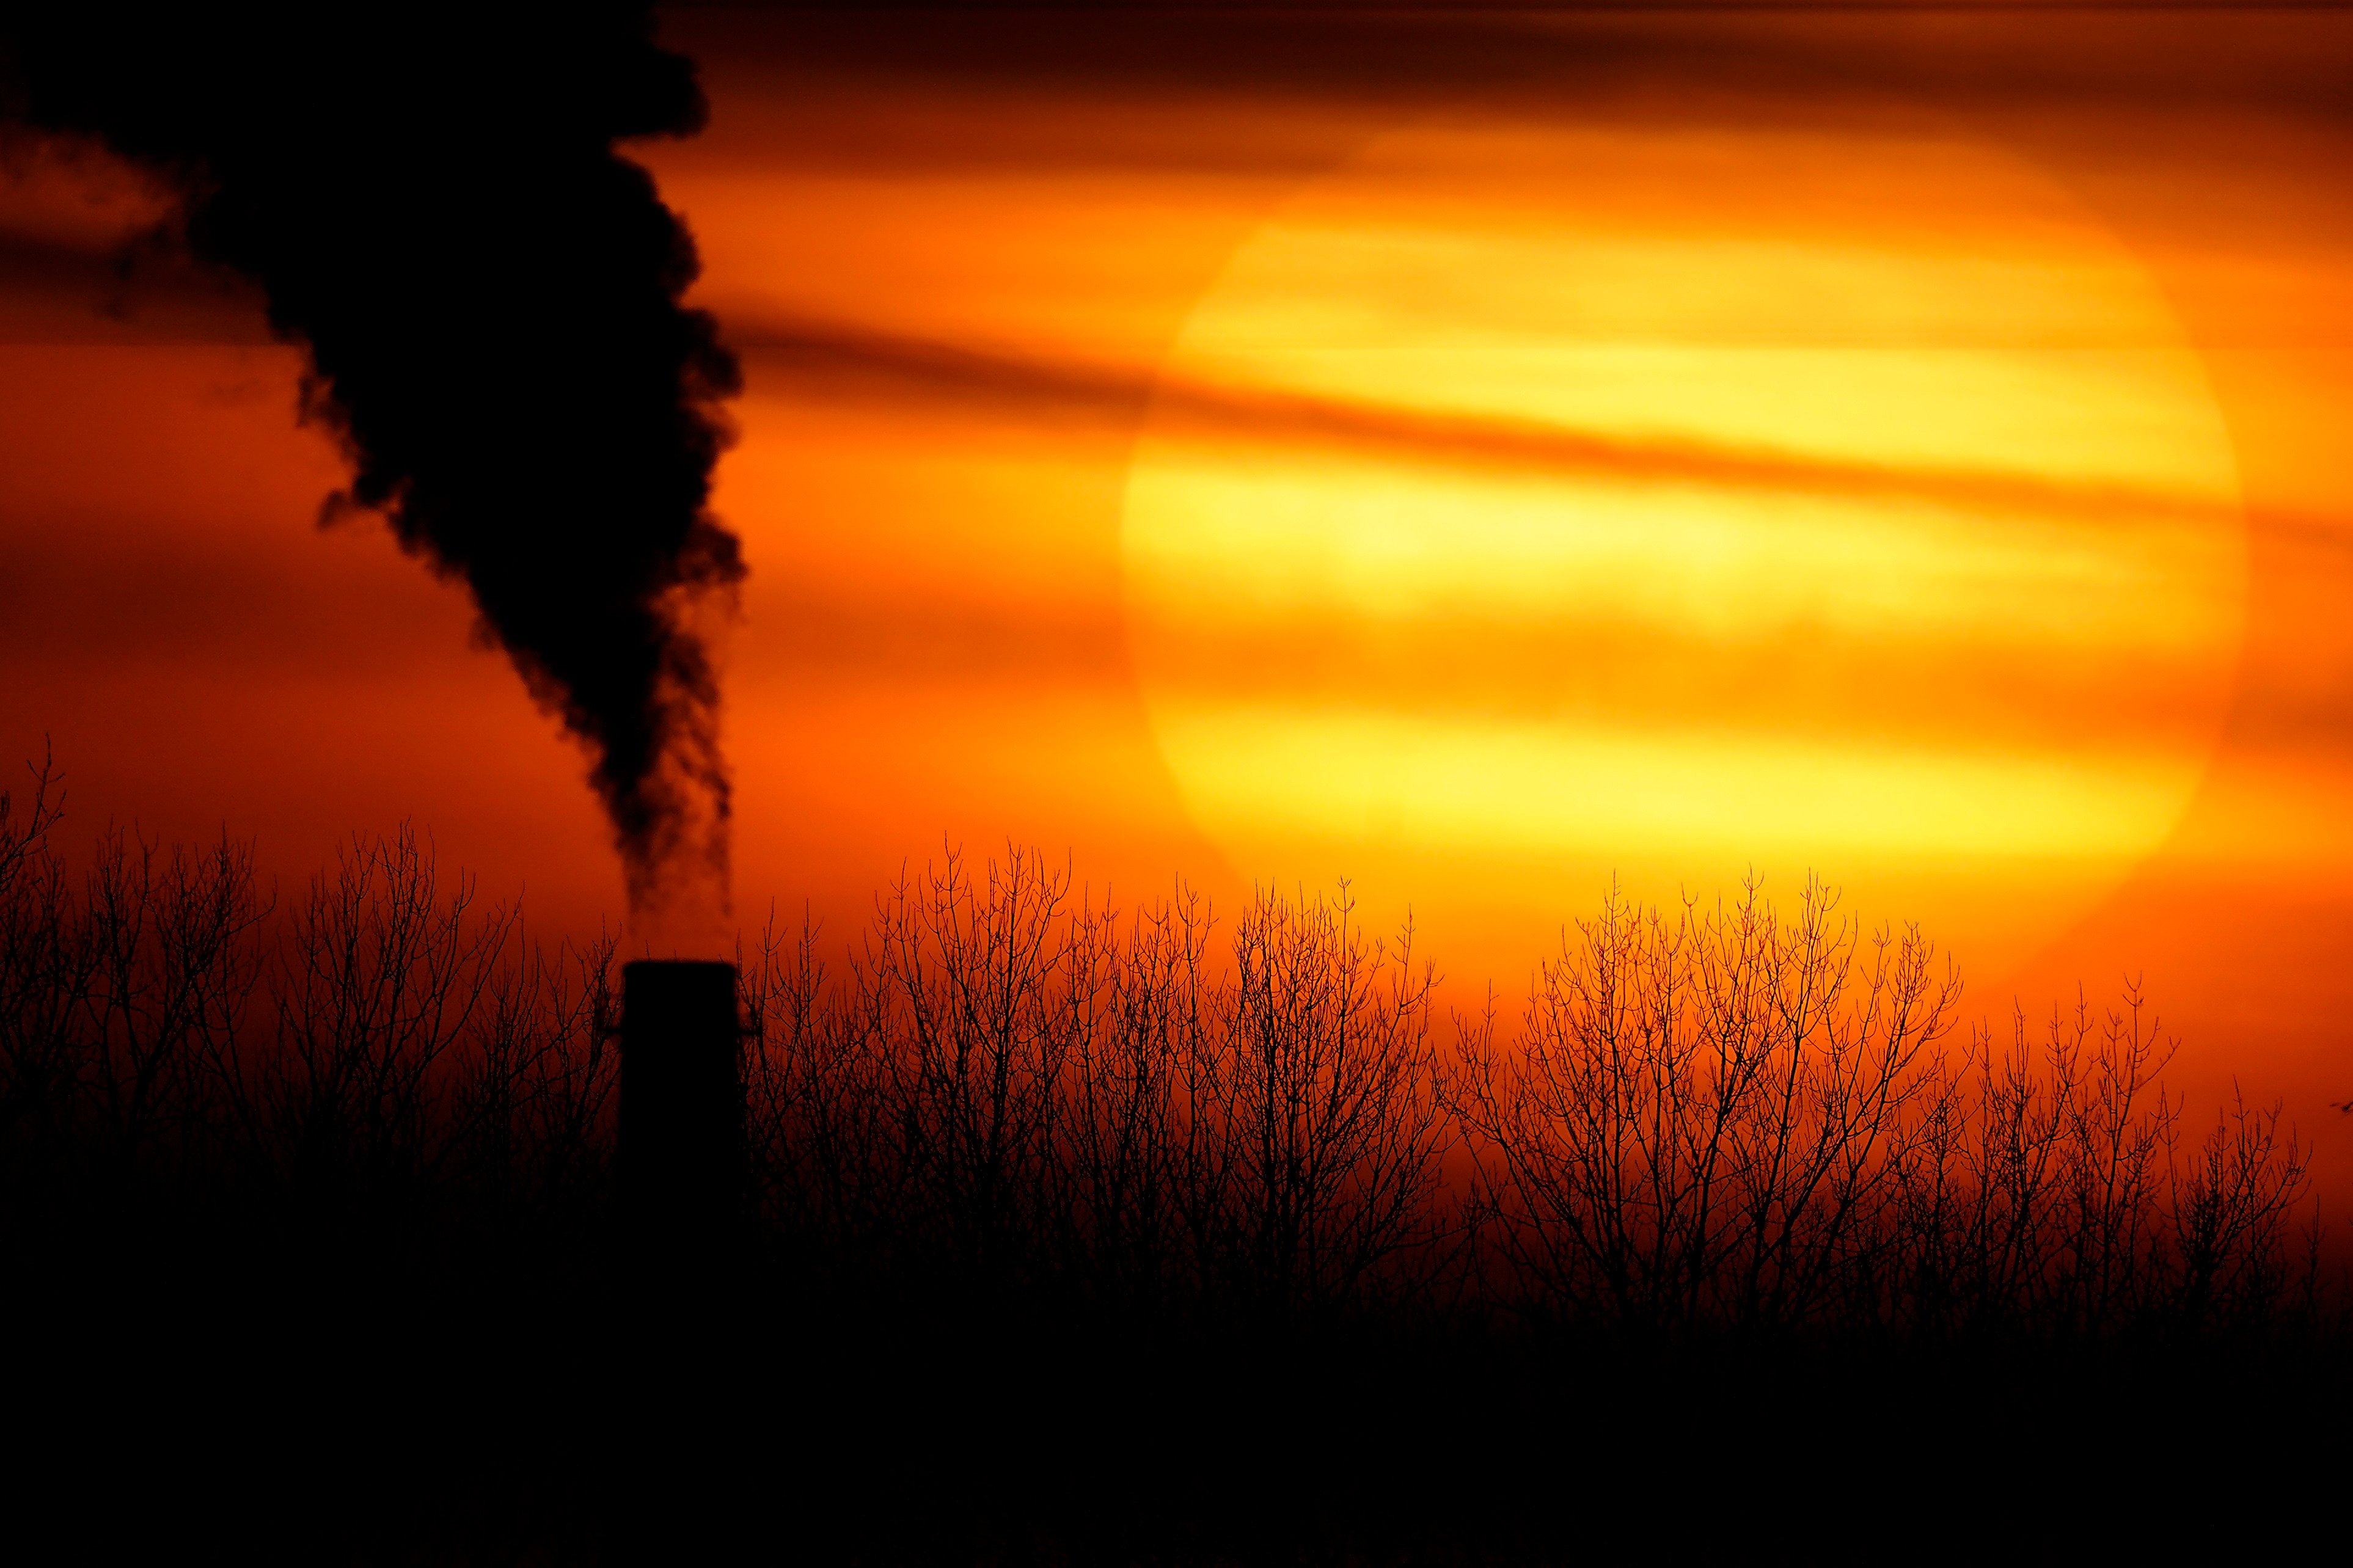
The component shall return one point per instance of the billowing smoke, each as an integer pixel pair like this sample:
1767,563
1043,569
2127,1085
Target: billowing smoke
429,198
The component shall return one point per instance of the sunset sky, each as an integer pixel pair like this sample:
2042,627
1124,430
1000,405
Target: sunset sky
1472,454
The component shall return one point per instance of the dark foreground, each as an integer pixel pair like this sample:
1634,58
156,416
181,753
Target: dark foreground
333,1404
1060,1235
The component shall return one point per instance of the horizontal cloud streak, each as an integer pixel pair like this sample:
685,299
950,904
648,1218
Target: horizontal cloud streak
838,361
1798,63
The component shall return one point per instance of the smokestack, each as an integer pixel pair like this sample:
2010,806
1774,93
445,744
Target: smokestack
681,1153
684,1180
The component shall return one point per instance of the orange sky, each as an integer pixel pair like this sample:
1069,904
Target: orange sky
1472,456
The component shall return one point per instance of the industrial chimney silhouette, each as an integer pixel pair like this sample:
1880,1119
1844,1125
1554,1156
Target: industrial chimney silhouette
681,1156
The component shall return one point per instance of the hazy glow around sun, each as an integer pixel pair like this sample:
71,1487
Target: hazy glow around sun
1913,558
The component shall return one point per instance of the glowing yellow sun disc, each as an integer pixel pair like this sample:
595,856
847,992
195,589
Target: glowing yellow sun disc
1527,506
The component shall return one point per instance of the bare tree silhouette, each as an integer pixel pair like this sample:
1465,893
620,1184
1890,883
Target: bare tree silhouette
1719,1117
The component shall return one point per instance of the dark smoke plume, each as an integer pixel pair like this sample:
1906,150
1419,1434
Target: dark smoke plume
429,196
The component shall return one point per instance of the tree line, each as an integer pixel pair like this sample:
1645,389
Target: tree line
1249,1162
1708,1117
1704,1116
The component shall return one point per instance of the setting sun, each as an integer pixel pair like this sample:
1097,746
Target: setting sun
1680,503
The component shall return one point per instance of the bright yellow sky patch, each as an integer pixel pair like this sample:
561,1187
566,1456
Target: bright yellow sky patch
2001,469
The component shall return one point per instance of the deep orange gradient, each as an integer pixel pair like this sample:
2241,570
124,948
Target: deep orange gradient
1479,466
